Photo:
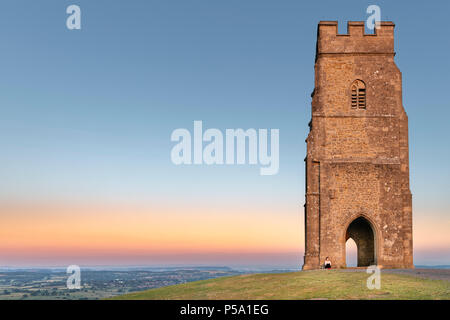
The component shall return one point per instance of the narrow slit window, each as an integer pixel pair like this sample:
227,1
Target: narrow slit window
358,95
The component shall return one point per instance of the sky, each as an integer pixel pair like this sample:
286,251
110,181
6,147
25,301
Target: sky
86,117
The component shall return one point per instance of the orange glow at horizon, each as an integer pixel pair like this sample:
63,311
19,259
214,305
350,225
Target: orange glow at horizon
60,229
121,231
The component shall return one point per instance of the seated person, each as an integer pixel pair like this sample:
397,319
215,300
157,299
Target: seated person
327,264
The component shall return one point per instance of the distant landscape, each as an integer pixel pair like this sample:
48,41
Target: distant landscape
96,284
100,283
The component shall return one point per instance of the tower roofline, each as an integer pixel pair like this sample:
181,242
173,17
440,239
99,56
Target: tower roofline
355,41
351,24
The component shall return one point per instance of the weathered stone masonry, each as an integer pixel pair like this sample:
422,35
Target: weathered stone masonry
357,166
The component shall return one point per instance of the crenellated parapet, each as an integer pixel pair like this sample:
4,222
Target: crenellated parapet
329,41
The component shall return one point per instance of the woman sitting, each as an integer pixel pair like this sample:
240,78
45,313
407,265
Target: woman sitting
327,264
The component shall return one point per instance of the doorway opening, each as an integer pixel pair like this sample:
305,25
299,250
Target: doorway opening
351,251
362,233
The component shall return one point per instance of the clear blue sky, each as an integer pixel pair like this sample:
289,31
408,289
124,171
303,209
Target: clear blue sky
87,115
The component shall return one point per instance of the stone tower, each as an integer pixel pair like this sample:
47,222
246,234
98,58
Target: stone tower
357,166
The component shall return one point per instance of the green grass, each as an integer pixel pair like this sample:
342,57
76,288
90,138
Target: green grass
322,284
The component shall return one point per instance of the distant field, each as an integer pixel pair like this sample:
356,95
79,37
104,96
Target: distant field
39,284
321,284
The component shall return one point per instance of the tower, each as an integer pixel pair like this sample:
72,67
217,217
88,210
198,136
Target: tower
357,165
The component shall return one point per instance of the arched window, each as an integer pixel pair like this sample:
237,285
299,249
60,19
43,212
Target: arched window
358,92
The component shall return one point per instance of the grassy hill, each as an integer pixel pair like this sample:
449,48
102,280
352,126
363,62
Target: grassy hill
321,284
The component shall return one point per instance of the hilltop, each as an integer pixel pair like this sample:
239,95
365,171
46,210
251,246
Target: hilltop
320,284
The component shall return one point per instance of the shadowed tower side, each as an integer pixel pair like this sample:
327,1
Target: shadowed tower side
357,165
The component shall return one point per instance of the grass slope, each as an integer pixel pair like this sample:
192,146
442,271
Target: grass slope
321,284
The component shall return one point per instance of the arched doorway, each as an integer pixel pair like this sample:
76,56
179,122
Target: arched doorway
361,231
